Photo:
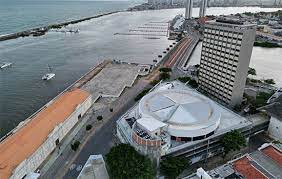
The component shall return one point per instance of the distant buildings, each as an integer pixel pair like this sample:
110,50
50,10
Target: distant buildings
188,9
94,168
203,7
264,163
226,52
33,140
275,111
174,119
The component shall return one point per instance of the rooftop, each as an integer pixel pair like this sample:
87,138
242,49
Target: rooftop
275,108
263,163
246,168
94,168
27,139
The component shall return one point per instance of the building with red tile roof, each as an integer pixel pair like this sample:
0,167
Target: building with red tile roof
264,163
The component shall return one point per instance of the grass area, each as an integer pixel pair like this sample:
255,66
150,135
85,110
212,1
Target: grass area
267,45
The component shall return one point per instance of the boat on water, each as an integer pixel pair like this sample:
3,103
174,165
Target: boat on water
48,76
5,65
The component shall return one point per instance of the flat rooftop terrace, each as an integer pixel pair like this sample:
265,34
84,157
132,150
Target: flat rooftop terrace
112,80
30,135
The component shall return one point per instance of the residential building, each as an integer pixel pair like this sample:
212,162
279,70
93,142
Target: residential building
94,168
264,163
226,52
274,110
24,149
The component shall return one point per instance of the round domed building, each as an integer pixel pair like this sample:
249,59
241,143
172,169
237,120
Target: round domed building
183,114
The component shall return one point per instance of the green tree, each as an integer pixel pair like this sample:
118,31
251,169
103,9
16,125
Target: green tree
75,145
99,118
164,76
233,141
154,82
252,71
193,83
270,81
165,69
124,162
184,79
171,167
88,127
143,93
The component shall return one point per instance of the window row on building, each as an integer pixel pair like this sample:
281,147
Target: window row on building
216,86
222,66
219,56
233,37
223,32
220,70
217,95
218,79
225,47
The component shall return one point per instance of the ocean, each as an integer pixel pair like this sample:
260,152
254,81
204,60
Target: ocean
22,91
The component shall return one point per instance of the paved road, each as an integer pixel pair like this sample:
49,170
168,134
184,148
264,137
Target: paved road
101,139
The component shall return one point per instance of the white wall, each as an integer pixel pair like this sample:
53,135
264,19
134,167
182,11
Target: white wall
59,132
275,128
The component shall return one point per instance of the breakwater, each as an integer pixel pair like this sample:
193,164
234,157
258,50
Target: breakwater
42,30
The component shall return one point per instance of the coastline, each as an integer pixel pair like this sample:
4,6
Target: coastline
39,31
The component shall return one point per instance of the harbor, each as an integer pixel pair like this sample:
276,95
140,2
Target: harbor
72,55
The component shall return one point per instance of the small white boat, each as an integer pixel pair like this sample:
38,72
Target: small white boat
5,64
48,76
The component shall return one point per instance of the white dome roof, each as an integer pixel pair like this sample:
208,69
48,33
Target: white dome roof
183,110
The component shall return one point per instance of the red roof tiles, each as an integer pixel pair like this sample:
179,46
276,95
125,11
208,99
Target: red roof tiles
245,168
274,154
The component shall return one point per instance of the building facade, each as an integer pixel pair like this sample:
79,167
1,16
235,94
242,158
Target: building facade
188,9
25,149
226,52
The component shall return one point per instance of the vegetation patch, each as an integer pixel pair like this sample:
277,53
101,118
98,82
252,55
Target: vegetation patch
184,79
75,145
233,141
165,70
143,93
164,76
99,118
124,162
171,167
267,44
88,127
193,83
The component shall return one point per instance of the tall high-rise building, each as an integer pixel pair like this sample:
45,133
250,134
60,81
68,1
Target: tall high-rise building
203,7
188,9
226,52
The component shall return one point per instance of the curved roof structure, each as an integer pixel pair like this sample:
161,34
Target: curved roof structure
186,113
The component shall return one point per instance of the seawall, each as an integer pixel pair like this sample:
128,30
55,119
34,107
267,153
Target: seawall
42,30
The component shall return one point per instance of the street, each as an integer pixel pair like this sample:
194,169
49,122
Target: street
101,138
